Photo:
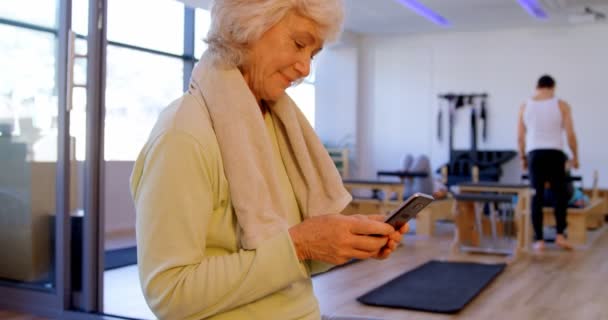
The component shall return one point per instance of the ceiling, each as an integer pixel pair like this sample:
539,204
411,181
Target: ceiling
390,17
378,17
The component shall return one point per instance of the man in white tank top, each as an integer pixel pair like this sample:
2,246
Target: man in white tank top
543,119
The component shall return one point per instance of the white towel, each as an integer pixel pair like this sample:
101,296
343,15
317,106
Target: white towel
246,151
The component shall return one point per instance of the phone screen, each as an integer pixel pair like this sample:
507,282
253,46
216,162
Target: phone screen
408,210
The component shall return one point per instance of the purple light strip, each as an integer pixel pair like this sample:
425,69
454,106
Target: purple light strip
533,9
422,10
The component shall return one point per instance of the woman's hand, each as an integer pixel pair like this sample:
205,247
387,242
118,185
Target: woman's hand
394,238
336,239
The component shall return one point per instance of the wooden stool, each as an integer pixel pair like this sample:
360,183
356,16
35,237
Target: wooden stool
373,205
437,210
370,206
524,203
471,235
579,219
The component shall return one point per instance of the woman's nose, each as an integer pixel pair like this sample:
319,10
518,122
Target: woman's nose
303,67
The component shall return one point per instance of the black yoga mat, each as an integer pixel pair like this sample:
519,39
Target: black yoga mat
436,286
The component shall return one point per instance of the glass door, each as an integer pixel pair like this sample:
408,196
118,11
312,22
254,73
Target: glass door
52,87
33,184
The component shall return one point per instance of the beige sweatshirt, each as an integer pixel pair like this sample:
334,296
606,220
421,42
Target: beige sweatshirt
190,263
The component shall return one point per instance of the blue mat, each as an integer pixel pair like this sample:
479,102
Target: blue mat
442,287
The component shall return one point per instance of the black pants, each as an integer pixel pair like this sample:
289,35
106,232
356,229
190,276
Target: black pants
548,166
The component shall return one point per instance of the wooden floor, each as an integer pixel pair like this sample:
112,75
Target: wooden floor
555,285
9,315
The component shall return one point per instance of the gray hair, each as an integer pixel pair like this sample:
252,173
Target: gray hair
237,23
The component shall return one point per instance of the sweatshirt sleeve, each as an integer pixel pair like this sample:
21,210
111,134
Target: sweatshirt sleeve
173,190
317,267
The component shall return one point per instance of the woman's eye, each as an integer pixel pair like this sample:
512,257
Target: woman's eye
299,45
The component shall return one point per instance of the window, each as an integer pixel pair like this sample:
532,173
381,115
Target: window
202,20
145,62
80,17
28,141
28,98
151,24
37,12
304,97
139,85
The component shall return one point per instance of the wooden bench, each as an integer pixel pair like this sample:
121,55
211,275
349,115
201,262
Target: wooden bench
369,206
524,203
382,205
581,219
476,232
441,209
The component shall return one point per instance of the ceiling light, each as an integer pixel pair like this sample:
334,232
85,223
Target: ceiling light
422,10
533,8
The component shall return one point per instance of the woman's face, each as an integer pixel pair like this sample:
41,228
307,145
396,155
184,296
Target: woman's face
281,56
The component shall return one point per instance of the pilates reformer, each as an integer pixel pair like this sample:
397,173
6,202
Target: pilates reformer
491,218
376,204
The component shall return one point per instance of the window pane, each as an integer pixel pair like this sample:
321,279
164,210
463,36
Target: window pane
202,21
80,16
139,86
28,151
27,86
152,24
304,97
38,12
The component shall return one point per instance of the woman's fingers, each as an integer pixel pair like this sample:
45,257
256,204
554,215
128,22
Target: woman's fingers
384,253
398,235
387,250
361,254
395,236
370,227
377,217
405,228
337,239
391,244
369,244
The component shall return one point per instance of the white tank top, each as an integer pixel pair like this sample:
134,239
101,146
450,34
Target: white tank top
544,125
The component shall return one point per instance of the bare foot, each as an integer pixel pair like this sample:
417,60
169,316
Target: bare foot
539,246
563,243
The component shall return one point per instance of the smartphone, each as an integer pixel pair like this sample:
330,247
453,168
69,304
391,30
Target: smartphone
408,209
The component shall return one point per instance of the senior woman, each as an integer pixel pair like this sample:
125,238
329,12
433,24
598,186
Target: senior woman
237,200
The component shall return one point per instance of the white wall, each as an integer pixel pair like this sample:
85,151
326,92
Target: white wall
394,102
335,97
400,78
